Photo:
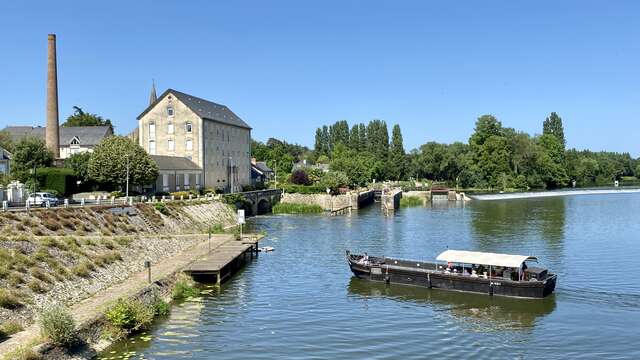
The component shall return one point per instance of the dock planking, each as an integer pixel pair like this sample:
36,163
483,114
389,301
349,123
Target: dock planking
224,261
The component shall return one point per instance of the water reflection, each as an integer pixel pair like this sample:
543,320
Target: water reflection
476,312
496,221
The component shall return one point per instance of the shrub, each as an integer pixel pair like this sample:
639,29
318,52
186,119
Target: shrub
299,177
37,286
9,300
116,194
15,279
37,273
4,272
124,241
217,229
161,208
301,189
334,180
178,194
83,269
59,180
57,325
183,290
130,315
410,201
292,208
160,307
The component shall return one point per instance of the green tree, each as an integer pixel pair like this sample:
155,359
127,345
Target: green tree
553,125
108,163
81,118
319,143
354,138
29,153
5,141
334,180
362,132
637,171
79,163
397,155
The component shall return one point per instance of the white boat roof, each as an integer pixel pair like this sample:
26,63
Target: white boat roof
483,258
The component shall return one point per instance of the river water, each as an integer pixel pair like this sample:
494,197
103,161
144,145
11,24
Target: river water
301,302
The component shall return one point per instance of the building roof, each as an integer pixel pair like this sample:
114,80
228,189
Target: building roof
482,258
203,108
174,163
87,135
262,166
4,154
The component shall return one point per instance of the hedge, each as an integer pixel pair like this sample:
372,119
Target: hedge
304,189
61,180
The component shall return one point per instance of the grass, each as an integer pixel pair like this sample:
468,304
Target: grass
294,208
57,325
9,328
37,273
183,290
83,269
9,300
37,286
411,201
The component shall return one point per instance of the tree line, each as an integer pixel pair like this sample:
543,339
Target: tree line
494,157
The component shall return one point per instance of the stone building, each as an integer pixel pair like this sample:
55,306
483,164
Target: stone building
209,134
5,160
72,139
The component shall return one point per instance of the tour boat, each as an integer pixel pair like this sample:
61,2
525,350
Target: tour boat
457,270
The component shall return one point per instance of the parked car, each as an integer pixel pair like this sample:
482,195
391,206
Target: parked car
41,199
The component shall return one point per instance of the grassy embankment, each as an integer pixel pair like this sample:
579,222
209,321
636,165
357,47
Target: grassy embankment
411,201
293,208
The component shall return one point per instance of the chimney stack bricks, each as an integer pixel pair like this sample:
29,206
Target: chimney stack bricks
52,136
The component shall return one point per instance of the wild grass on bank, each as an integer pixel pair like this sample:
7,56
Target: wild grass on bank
183,290
57,326
411,201
294,208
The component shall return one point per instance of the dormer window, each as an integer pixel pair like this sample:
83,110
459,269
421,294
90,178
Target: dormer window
75,141
170,111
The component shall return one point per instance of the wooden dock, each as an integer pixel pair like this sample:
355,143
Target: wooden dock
224,261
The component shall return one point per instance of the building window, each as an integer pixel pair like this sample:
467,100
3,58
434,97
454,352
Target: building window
186,180
170,128
165,182
187,127
170,111
152,130
189,144
75,142
197,180
152,147
171,145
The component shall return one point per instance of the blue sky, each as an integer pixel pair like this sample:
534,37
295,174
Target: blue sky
287,67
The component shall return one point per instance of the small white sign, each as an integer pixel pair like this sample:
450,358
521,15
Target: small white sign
240,216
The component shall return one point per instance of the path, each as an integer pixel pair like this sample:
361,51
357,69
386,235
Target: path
95,305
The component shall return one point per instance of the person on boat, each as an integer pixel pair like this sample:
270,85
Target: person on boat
474,274
365,259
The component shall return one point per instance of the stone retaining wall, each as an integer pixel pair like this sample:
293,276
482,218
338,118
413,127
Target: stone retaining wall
328,202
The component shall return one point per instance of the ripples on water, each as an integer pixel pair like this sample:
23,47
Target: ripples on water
300,302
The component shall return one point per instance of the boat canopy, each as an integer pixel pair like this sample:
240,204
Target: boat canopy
483,258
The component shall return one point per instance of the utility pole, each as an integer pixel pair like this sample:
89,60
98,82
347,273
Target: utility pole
127,194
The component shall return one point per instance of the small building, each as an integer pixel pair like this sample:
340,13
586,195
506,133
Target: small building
175,174
303,165
208,134
260,172
5,159
73,139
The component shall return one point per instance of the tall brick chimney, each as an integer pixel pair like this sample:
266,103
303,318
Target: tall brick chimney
52,136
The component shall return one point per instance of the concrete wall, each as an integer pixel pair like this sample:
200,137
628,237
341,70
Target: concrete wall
328,202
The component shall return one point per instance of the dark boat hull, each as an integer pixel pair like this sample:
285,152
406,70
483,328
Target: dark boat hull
419,274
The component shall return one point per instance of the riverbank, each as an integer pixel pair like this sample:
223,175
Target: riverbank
64,256
89,313
539,194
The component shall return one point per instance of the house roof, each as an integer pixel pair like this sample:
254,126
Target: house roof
203,108
262,166
174,163
4,154
87,135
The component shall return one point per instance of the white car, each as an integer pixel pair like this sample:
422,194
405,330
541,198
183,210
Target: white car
41,199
